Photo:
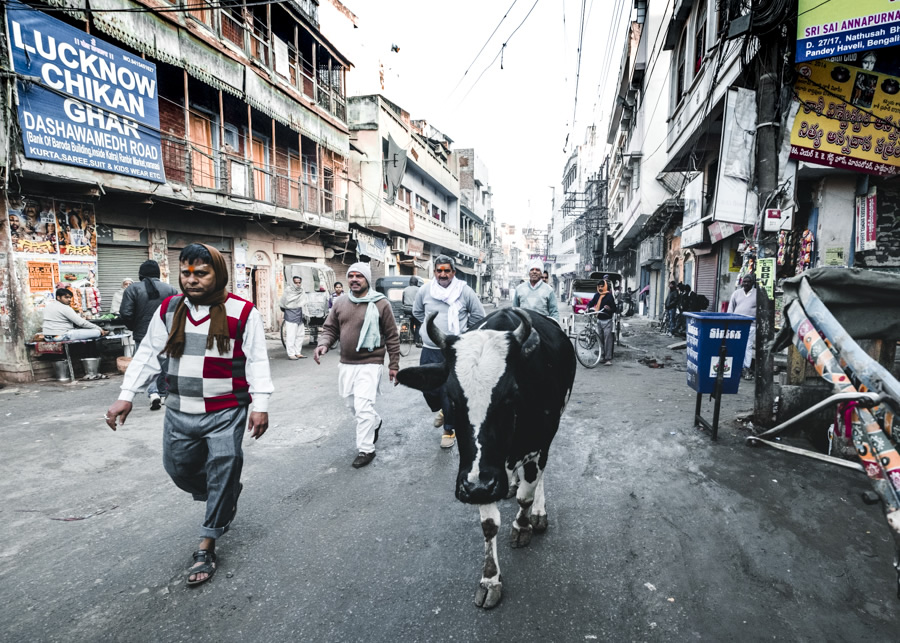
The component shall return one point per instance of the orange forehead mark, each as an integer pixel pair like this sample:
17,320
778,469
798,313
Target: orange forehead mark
191,269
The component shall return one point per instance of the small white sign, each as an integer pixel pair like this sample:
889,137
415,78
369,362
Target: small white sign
772,220
713,366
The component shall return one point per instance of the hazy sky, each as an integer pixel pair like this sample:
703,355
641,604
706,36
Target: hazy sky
517,118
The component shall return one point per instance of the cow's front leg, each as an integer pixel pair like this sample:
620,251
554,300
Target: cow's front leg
491,584
520,535
512,477
539,508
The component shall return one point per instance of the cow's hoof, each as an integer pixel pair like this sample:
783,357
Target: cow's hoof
512,492
539,523
519,537
488,594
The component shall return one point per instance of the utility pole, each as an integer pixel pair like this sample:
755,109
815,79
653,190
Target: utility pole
767,185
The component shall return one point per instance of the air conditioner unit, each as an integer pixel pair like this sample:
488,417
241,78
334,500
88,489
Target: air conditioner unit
398,244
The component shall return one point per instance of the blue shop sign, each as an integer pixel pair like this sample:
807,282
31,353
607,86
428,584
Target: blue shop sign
83,101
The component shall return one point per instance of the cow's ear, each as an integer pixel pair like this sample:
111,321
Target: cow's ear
424,378
531,344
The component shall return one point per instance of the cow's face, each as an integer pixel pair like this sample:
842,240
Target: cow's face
478,376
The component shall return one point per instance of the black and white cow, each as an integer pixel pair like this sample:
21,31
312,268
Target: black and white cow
508,380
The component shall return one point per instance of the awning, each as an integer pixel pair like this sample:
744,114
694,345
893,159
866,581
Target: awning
466,270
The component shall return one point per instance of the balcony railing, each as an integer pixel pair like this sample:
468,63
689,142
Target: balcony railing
207,170
255,39
651,249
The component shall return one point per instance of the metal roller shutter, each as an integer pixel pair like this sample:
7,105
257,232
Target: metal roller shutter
115,263
173,269
707,271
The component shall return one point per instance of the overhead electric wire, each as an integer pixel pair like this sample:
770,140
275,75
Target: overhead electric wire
578,66
490,64
486,42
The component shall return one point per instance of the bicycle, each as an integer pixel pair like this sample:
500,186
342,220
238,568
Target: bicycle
407,338
588,343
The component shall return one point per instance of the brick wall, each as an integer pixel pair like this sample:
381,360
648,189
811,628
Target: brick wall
171,123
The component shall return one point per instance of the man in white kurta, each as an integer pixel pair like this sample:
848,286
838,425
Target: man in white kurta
743,302
364,322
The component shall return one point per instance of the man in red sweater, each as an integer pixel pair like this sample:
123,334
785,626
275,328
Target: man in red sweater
364,322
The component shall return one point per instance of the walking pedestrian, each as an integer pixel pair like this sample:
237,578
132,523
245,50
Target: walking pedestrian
743,302
458,308
294,303
139,303
536,294
605,304
364,322
116,306
407,302
218,367
671,306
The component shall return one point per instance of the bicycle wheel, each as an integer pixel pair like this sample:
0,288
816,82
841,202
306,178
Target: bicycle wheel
587,347
405,342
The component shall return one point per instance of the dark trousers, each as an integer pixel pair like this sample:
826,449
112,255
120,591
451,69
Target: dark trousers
202,454
437,399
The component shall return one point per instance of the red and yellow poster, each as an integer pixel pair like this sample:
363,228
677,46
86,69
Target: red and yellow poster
42,276
849,116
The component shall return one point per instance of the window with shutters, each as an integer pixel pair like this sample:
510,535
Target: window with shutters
203,134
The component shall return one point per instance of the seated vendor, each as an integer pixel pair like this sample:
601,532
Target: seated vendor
62,322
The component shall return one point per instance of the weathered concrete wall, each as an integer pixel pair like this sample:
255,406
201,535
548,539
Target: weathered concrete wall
13,359
836,214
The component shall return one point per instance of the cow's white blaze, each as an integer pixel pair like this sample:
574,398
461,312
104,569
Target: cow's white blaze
480,363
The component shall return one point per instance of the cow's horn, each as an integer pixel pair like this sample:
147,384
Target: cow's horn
435,333
524,330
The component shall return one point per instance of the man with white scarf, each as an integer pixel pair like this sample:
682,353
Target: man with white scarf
458,308
293,303
535,294
364,322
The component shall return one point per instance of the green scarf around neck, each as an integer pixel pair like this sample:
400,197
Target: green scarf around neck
370,333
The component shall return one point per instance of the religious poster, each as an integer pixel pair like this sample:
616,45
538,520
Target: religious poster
32,226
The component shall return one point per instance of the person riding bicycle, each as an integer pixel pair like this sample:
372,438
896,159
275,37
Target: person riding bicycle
406,305
605,305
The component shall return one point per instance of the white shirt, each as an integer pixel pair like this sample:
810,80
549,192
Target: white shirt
145,366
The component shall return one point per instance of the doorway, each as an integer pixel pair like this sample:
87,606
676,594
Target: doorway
259,281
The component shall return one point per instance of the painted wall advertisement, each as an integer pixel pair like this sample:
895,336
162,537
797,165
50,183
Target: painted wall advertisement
838,27
848,116
88,103
866,220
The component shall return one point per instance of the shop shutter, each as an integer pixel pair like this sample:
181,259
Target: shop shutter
174,263
707,269
115,263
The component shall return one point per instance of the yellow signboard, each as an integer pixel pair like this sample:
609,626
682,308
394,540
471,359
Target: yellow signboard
848,118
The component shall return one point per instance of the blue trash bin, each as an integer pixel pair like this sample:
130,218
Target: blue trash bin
705,334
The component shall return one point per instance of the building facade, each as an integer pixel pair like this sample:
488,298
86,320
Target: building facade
141,131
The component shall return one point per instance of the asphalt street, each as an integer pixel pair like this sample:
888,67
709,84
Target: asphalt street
656,532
